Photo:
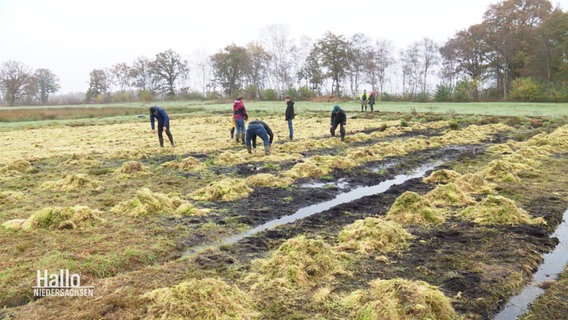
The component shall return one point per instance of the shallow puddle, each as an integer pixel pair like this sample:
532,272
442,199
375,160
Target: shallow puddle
550,269
354,194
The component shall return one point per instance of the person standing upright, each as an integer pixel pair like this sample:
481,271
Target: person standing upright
290,115
338,118
163,124
240,115
364,98
372,100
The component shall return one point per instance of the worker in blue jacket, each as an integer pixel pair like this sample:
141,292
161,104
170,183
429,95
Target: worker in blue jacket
261,129
163,124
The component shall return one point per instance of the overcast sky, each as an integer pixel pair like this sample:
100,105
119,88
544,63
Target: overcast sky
73,37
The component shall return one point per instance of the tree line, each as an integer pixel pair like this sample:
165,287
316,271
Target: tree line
518,52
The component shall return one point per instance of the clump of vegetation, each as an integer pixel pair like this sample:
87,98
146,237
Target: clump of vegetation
411,208
504,171
300,263
499,210
72,182
475,183
17,167
500,149
57,218
363,155
358,137
200,299
374,235
401,299
146,202
268,180
132,167
449,194
223,190
78,159
189,163
308,169
442,176
7,197
230,157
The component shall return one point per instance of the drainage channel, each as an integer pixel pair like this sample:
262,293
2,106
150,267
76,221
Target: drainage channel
354,194
553,264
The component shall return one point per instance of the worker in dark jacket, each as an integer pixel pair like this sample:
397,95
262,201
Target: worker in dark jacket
290,115
338,118
372,100
261,129
163,124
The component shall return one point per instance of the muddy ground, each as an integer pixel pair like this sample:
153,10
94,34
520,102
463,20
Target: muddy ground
477,266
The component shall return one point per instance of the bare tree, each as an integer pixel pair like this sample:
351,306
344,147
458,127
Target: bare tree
380,58
358,57
278,44
429,58
141,75
14,76
121,73
411,70
260,63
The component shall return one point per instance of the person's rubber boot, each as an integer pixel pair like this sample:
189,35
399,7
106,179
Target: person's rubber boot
237,137
342,138
232,130
161,139
267,150
243,137
249,149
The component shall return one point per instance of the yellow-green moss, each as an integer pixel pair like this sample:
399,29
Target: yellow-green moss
374,235
224,190
411,208
499,210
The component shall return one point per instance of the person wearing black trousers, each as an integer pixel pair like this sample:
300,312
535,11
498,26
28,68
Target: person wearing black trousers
163,119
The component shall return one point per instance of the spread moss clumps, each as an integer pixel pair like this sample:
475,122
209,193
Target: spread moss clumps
53,218
374,235
499,210
72,182
145,202
132,167
268,180
442,176
475,183
7,197
188,164
207,299
449,194
300,263
223,190
84,160
308,169
504,171
400,299
17,167
410,208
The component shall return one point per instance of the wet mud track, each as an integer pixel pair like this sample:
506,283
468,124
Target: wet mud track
454,256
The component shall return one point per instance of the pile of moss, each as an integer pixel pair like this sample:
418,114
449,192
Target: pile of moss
56,218
374,235
449,194
499,210
7,197
411,208
363,155
132,167
300,263
84,160
189,164
223,190
400,299
442,176
475,183
504,171
17,167
231,157
72,182
308,169
146,202
268,180
200,299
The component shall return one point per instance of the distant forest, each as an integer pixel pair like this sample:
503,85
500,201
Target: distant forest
519,52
